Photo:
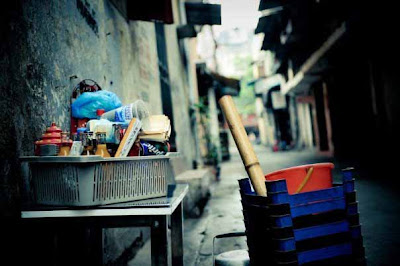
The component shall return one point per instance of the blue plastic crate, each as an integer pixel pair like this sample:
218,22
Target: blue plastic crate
307,227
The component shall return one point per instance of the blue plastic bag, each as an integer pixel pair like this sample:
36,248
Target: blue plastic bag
86,105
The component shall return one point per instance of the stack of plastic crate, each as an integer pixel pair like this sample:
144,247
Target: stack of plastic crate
312,228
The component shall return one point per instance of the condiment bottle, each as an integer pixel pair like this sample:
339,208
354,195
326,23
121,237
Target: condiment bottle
65,144
76,147
117,133
99,113
87,142
101,145
79,131
75,137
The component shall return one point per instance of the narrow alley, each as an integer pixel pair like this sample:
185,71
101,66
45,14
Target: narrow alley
126,125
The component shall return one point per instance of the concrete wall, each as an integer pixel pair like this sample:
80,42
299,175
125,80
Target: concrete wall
46,48
181,97
305,125
50,46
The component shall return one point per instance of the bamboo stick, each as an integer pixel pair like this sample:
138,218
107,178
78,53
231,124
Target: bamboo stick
243,144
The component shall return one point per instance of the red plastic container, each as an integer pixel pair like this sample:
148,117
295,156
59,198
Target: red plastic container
321,177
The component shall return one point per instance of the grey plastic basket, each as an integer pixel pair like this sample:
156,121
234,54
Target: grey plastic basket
93,180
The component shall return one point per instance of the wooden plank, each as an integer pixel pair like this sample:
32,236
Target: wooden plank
129,138
313,59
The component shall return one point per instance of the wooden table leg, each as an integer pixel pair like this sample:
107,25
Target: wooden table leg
177,236
159,241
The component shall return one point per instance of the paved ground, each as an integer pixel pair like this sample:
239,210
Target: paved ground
379,205
379,208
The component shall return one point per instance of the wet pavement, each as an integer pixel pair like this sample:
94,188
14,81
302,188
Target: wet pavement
379,207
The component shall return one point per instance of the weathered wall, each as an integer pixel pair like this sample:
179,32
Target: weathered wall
180,95
50,46
46,48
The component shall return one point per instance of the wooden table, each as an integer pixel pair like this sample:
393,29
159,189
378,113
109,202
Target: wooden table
154,213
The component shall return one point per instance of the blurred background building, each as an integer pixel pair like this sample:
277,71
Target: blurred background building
334,61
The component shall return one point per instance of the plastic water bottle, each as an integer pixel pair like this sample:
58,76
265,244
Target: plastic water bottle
125,113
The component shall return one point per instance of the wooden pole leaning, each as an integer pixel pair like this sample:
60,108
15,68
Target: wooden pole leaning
243,144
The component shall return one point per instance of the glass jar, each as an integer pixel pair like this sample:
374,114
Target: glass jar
88,143
65,144
101,145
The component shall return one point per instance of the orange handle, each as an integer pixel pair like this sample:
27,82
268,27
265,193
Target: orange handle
305,180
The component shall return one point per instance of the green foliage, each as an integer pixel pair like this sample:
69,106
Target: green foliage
202,106
211,158
245,102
